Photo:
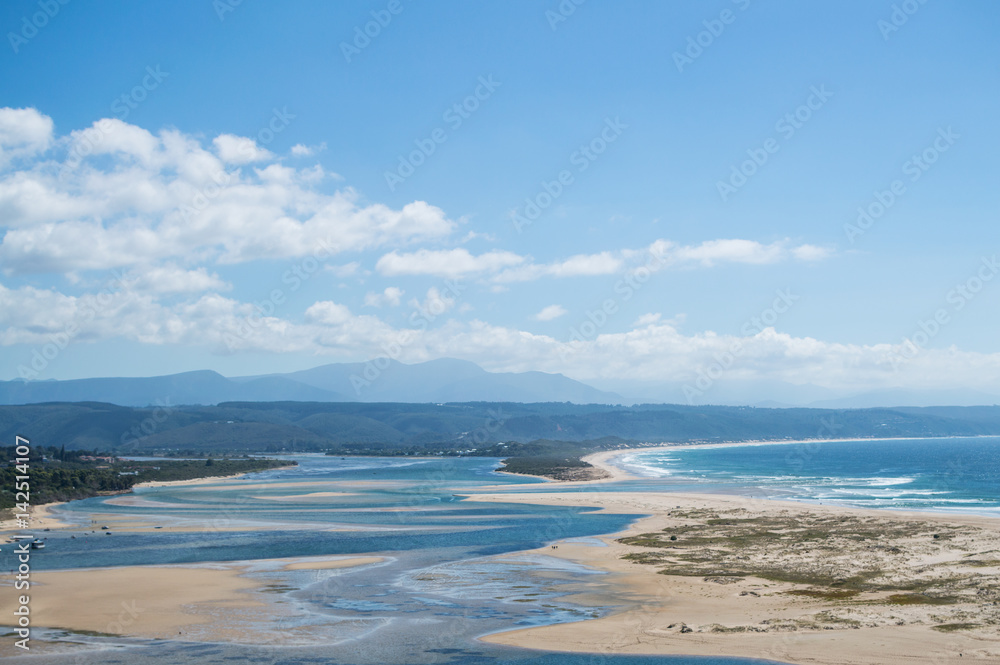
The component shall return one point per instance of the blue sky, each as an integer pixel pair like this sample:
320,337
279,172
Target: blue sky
204,88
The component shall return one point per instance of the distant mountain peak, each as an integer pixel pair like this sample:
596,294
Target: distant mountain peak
433,381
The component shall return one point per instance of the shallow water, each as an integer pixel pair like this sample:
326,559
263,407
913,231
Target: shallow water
453,569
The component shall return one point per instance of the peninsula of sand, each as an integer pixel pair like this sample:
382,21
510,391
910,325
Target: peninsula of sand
712,575
720,575
187,601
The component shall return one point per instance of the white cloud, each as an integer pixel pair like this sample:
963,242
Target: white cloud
328,313
647,320
730,251
474,235
277,174
550,312
303,150
111,136
167,206
434,305
117,195
171,279
234,149
581,265
811,253
504,267
652,350
390,296
445,262
346,270
23,133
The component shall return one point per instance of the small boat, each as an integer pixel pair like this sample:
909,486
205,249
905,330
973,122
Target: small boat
37,544
20,537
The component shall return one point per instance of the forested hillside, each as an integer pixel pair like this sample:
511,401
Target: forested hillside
56,474
470,428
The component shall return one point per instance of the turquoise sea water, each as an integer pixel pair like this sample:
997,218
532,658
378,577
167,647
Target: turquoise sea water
947,474
453,569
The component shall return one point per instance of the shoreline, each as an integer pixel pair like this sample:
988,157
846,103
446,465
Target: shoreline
204,480
605,460
602,458
732,613
40,516
228,601
725,614
734,607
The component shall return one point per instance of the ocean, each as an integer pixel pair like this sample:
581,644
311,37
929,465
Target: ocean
940,474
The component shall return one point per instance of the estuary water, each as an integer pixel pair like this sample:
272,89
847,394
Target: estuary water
451,569
940,474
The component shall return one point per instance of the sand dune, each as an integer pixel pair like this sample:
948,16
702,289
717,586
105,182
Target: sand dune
922,598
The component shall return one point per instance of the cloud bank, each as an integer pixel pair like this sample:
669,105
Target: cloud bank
164,213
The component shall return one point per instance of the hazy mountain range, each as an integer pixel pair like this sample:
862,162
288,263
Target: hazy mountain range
443,380
447,380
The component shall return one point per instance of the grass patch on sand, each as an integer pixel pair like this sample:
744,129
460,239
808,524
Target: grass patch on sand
920,599
826,594
837,557
952,627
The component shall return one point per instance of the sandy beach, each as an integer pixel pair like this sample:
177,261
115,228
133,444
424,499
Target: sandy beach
926,598
216,602
41,517
604,459
702,575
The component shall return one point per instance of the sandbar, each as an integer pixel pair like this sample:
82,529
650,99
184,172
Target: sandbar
783,581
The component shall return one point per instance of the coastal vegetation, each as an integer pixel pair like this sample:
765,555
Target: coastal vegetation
854,564
57,474
557,468
467,428
547,439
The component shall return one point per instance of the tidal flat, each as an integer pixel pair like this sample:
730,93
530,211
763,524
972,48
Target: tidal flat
368,560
